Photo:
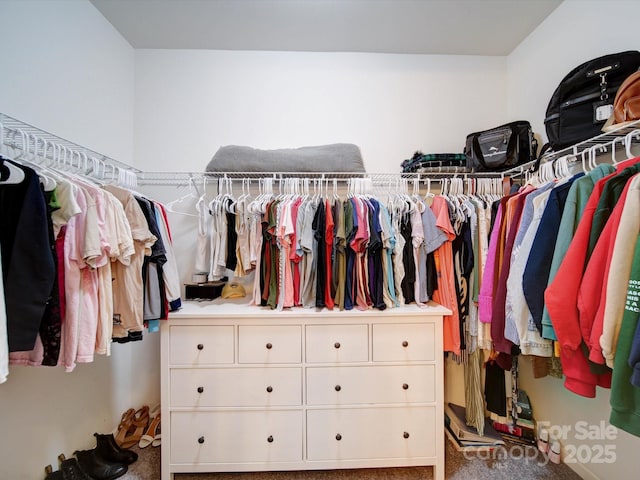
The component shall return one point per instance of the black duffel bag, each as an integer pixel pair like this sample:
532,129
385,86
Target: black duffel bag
501,148
583,100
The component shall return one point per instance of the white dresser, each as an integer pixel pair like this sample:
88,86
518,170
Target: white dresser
248,389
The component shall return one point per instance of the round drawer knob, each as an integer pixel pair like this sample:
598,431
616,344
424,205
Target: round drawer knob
405,434
200,389
405,386
405,343
201,440
338,437
338,388
270,439
336,345
269,346
200,346
269,389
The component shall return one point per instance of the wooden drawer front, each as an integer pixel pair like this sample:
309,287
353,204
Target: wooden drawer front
337,343
236,437
236,387
370,384
270,344
200,345
371,433
404,342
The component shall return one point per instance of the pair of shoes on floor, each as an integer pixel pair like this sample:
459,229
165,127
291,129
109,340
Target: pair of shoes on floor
152,435
133,425
69,470
105,462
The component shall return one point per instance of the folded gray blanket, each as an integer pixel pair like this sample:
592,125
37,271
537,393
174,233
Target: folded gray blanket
337,157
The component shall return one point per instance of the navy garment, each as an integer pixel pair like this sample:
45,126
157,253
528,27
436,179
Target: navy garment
536,272
634,356
375,250
28,267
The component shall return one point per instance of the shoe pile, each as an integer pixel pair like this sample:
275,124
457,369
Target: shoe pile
107,461
111,456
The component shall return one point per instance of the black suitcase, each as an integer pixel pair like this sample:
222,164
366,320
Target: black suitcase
583,100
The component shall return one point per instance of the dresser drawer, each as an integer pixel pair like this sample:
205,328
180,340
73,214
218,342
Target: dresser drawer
404,342
241,387
236,437
270,344
337,343
370,384
371,433
200,345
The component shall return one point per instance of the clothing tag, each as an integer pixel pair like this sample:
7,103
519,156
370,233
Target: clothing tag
602,111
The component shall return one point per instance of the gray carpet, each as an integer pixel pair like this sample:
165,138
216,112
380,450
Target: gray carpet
458,466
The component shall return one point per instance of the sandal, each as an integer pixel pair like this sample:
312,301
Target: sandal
125,424
157,439
135,424
150,435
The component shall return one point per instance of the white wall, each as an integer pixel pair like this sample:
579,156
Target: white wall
191,102
68,71
575,32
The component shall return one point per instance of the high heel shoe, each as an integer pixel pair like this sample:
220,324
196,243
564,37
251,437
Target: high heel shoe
124,426
137,425
157,439
108,449
152,432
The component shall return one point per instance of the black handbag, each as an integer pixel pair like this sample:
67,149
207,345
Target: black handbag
583,101
501,148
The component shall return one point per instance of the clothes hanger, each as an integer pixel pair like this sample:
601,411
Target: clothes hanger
629,141
613,149
173,205
11,174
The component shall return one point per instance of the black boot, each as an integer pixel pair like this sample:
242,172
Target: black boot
108,449
71,470
51,475
97,468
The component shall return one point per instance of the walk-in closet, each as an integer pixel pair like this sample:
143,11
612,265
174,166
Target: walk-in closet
225,252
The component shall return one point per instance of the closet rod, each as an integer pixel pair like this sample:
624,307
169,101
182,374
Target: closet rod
185,178
18,135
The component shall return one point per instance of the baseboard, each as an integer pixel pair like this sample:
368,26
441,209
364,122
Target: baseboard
583,471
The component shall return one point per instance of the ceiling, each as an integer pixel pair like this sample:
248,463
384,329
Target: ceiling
448,27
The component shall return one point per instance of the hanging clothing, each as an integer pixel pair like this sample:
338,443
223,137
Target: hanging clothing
127,273
28,266
622,258
625,397
4,340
